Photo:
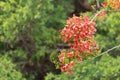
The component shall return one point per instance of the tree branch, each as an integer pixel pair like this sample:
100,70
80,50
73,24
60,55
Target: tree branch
103,11
118,46
97,15
97,5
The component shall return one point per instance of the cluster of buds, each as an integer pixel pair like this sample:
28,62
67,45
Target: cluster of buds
66,65
79,33
115,4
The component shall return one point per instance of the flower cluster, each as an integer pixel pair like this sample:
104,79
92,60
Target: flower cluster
115,4
69,68
78,28
79,33
66,66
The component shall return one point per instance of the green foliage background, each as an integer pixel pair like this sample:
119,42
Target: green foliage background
29,32
8,70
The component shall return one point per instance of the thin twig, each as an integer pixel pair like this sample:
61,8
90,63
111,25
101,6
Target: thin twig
97,15
103,11
103,53
109,50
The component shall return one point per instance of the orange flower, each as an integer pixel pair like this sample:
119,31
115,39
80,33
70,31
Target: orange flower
79,34
115,4
79,58
70,54
104,4
68,68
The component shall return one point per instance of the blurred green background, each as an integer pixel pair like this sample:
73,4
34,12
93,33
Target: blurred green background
29,35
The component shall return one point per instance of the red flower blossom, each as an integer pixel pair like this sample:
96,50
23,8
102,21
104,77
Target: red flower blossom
69,68
104,4
62,56
79,33
79,58
70,54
